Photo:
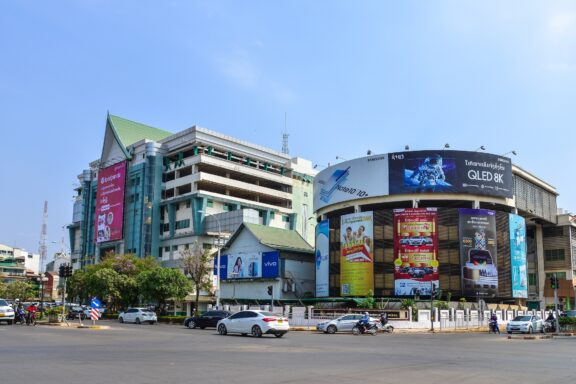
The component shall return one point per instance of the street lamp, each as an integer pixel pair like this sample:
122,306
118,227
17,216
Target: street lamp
218,260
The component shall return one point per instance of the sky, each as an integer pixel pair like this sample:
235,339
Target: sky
341,77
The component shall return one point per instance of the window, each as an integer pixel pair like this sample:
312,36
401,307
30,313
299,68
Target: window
271,215
286,218
209,203
188,204
174,247
531,279
181,224
554,255
559,275
166,249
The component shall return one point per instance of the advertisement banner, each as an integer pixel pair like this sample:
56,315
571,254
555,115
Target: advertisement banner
450,172
253,265
357,254
109,214
322,258
478,252
415,251
518,256
223,267
351,180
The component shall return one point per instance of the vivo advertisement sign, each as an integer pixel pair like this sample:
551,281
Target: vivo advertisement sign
110,203
518,256
351,180
322,258
255,265
450,172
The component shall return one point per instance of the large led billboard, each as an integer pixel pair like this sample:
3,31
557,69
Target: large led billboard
357,254
350,180
415,251
517,226
109,214
322,258
478,252
450,172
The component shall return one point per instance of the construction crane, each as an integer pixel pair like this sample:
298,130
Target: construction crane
43,233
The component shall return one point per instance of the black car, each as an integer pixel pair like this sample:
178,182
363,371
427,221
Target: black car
207,319
76,312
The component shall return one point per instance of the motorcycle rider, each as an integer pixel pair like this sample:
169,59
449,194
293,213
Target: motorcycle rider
383,318
31,315
365,321
494,323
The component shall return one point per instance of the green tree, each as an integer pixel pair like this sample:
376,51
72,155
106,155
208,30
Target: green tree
161,284
22,290
77,287
197,264
2,289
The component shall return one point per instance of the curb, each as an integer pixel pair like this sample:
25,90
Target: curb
539,337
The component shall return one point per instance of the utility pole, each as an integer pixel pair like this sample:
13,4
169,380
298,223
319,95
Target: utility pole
432,293
554,279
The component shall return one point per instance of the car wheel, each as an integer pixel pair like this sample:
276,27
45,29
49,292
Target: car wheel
202,327
138,321
222,330
509,332
244,334
256,331
191,324
152,322
390,329
331,329
10,322
121,319
278,335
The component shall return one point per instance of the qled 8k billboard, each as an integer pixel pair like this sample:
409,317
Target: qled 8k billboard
109,214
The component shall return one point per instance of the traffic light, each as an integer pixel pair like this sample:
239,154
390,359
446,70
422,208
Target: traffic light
68,270
553,282
270,290
62,270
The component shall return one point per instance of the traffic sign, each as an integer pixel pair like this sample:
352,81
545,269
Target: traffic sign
95,303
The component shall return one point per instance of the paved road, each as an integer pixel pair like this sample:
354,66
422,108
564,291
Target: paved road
158,354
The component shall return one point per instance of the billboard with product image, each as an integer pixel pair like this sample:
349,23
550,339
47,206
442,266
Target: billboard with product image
415,251
448,171
478,252
109,213
322,258
251,265
517,227
357,254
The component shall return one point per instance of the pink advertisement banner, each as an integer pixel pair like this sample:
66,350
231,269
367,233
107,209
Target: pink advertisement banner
110,203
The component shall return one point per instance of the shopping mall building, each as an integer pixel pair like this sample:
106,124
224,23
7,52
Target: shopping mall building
154,193
469,224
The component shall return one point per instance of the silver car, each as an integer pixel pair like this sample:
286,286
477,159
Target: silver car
525,324
138,316
343,323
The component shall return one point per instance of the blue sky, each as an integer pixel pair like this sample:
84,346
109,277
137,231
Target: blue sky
349,75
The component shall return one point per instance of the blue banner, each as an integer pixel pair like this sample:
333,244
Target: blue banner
223,266
270,264
322,258
518,256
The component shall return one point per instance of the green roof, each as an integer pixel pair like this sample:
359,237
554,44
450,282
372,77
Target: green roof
277,238
130,132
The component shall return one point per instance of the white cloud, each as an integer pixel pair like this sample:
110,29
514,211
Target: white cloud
562,26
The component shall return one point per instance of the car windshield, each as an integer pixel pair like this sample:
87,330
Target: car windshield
522,318
3,303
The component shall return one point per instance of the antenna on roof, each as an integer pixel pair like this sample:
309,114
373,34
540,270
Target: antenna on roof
285,135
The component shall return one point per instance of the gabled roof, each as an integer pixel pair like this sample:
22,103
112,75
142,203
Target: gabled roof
277,238
130,132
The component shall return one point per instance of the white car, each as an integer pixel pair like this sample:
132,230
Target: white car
254,322
343,323
138,316
6,312
525,324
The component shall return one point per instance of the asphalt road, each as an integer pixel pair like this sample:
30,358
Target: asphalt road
158,354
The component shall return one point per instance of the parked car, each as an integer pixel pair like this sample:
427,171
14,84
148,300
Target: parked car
207,319
75,312
138,316
569,314
343,323
254,322
525,324
6,312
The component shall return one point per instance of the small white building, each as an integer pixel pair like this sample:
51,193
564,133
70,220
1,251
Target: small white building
258,257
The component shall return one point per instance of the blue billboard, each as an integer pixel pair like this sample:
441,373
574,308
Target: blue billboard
518,256
322,258
252,265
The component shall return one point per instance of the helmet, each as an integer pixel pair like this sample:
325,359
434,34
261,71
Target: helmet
366,313
17,300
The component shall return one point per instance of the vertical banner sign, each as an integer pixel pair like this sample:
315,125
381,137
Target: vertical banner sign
478,252
110,203
322,258
415,251
518,256
357,254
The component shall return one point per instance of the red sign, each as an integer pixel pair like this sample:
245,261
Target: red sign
109,214
415,251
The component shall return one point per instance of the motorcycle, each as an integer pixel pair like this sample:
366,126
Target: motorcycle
362,329
385,326
31,318
549,326
20,317
493,327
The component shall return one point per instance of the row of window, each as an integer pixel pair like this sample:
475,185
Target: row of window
554,254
